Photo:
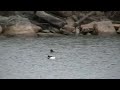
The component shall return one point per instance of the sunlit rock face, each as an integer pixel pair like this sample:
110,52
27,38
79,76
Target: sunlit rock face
19,26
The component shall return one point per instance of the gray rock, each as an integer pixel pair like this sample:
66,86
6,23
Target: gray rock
101,27
52,31
7,13
63,31
74,17
70,21
105,27
48,34
17,25
69,28
37,28
46,31
1,30
62,13
51,19
55,30
118,31
3,21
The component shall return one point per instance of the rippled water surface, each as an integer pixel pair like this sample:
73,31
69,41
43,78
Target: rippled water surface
84,57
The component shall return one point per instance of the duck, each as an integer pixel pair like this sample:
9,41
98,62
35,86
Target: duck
51,50
51,57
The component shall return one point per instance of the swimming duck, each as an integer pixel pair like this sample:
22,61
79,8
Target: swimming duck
51,57
51,51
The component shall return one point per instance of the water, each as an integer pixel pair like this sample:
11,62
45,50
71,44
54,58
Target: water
84,57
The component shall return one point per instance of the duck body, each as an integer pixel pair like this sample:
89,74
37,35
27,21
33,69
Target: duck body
51,57
52,51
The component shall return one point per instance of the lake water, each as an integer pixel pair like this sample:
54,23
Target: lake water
83,57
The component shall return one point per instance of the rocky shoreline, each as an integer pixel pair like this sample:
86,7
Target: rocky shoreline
56,23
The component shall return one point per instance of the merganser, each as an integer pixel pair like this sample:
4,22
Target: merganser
51,57
52,51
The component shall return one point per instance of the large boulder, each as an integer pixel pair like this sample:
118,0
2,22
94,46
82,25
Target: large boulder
57,22
105,27
102,27
18,25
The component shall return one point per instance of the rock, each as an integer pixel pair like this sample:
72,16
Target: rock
20,30
87,28
101,27
113,15
18,25
78,14
65,32
77,31
24,12
1,30
85,31
46,31
105,27
118,31
70,21
48,34
3,21
36,28
88,34
57,22
94,30
56,30
62,13
27,14
99,13
7,13
116,26
65,13
52,31
74,17
69,28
